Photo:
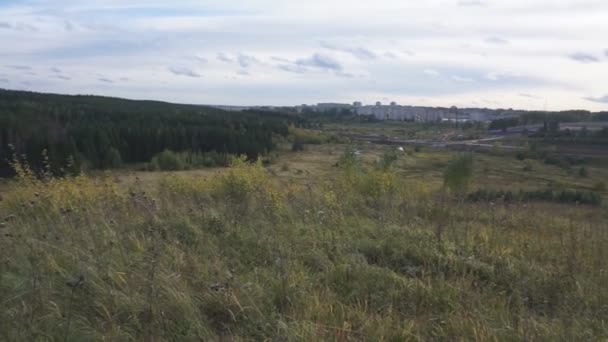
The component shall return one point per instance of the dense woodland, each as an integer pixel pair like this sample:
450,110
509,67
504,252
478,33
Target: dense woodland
100,132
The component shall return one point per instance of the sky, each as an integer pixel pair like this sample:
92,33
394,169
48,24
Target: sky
527,54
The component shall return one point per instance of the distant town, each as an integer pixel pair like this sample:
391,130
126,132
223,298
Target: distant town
397,112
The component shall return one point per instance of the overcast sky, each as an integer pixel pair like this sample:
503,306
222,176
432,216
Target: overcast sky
531,54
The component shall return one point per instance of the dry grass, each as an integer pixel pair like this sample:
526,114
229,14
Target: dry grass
329,253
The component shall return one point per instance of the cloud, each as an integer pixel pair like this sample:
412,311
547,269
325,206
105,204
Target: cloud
603,99
583,58
292,68
19,67
462,79
530,96
359,52
320,61
201,59
345,74
184,71
105,80
141,39
224,57
390,55
62,77
125,79
20,26
246,61
279,59
68,26
4,80
56,70
496,40
606,52
431,72
496,75
471,3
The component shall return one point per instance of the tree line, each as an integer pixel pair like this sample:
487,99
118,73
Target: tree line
550,120
101,132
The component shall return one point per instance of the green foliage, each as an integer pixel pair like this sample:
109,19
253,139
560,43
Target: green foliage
348,160
106,132
112,159
549,195
167,161
458,174
173,161
564,161
583,172
244,257
388,159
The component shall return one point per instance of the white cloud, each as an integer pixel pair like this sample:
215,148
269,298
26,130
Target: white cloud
431,72
446,52
459,78
184,71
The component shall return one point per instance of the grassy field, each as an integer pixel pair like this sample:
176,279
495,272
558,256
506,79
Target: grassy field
305,249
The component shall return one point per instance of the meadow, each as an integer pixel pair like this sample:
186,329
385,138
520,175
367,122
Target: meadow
321,245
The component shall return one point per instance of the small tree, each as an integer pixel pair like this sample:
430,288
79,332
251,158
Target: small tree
458,174
168,161
112,159
348,160
388,159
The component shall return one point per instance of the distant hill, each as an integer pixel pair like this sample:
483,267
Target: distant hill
91,130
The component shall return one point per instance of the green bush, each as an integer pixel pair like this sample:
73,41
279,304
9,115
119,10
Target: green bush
548,195
583,172
168,161
111,159
458,174
173,161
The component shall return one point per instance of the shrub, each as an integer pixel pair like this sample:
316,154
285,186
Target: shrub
112,159
168,161
563,196
388,159
458,174
583,172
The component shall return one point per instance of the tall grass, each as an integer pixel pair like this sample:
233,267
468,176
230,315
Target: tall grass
240,256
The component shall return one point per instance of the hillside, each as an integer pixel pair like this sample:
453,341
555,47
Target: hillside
99,132
324,245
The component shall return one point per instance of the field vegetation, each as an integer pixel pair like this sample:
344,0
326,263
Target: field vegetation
335,242
200,224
